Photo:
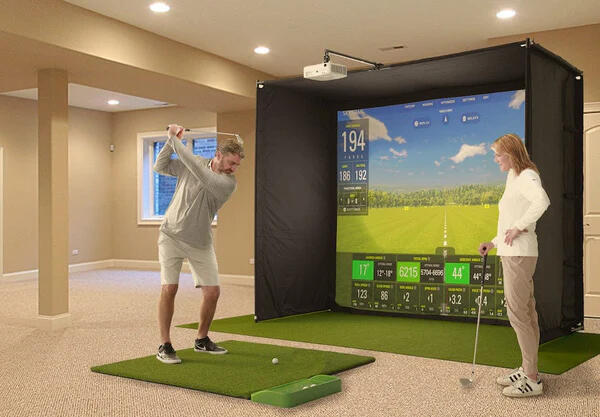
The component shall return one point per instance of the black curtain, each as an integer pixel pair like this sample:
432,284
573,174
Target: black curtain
555,144
295,203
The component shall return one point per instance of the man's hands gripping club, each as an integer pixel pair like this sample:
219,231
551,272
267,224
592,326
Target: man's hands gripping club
175,130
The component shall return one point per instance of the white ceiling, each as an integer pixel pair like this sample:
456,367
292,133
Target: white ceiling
96,99
297,31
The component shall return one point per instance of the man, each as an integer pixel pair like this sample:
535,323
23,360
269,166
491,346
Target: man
203,186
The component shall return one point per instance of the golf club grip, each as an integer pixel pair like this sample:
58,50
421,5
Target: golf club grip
185,130
484,266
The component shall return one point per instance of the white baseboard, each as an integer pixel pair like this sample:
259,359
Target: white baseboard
91,266
246,280
85,266
136,264
591,107
20,275
50,323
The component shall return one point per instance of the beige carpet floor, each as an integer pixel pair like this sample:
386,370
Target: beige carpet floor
114,318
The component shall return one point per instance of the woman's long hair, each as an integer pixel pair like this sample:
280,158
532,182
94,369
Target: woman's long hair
513,146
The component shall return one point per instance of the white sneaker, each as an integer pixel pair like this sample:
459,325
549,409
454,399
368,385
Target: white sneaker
524,387
514,376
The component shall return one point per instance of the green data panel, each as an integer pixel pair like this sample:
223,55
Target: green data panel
407,298
408,271
362,269
500,303
431,297
456,273
384,296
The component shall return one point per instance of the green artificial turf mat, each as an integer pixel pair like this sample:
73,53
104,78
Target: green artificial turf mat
438,339
247,368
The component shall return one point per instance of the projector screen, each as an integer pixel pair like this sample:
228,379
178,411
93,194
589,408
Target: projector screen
418,191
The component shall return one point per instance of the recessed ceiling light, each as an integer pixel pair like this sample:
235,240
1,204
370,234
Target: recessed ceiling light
262,50
506,14
113,102
160,7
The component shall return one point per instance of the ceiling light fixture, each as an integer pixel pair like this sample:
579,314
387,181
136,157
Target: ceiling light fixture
261,50
160,7
506,14
113,102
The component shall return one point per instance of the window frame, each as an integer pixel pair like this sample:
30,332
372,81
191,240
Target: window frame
145,177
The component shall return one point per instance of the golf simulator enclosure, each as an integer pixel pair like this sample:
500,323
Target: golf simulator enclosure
374,191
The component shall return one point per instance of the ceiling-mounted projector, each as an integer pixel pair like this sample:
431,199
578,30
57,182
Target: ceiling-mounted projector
329,71
325,72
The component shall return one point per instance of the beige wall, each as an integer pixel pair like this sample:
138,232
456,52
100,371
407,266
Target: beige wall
89,188
130,240
18,137
235,232
580,46
89,185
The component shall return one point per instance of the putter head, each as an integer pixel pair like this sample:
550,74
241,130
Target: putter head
466,382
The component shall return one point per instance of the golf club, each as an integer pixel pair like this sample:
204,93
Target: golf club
468,382
238,137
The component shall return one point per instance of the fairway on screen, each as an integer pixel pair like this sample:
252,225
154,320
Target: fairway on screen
418,191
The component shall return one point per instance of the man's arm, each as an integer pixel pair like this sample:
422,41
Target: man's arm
164,165
214,183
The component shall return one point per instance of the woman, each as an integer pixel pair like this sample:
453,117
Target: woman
522,204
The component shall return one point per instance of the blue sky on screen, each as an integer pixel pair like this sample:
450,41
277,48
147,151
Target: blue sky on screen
412,146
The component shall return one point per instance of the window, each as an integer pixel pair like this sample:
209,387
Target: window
155,191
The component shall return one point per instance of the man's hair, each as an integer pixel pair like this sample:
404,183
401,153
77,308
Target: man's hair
512,145
231,145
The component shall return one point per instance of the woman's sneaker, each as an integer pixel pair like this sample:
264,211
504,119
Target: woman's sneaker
166,354
208,346
514,376
524,387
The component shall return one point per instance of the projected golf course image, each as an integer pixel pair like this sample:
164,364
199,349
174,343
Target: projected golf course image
418,191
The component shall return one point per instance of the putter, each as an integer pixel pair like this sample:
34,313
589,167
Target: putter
468,382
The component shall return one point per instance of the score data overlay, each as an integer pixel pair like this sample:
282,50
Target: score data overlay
353,167
427,284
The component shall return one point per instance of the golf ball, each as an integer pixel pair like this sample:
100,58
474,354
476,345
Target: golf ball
275,361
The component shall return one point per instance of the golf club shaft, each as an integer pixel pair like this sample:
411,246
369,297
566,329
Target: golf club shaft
479,313
205,131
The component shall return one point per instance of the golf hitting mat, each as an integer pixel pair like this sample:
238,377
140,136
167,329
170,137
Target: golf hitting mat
247,369
437,339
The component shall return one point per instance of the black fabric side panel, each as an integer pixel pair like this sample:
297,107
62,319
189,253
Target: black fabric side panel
295,203
553,148
577,178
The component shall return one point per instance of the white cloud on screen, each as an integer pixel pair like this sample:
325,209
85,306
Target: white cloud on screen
518,98
467,151
397,154
437,164
377,129
384,157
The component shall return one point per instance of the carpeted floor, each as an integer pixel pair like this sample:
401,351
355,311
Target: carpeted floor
114,318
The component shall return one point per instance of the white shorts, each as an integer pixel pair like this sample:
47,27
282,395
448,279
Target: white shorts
203,262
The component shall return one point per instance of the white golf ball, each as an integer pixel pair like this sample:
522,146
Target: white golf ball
275,361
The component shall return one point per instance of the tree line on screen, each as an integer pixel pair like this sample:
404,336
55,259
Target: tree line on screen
469,195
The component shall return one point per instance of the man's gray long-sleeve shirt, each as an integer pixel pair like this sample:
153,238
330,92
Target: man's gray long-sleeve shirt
199,193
